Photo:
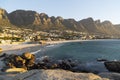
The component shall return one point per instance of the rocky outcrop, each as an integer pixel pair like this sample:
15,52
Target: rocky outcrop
3,14
28,61
52,75
113,66
4,20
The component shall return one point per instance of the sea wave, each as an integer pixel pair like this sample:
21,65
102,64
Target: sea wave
47,47
36,51
50,46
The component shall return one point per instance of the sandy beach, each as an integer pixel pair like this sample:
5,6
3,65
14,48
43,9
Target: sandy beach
16,46
78,40
9,47
32,47
65,41
19,48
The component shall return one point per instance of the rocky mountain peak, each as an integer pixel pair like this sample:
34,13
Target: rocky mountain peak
41,21
97,21
22,17
107,23
43,15
60,18
87,20
3,14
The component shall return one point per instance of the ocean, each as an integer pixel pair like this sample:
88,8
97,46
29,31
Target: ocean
86,52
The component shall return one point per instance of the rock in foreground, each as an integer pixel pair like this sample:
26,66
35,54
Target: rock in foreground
110,75
27,61
54,75
16,70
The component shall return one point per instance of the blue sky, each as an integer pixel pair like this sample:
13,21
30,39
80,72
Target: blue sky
77,9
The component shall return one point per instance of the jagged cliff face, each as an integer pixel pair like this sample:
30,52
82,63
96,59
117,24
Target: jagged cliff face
89,25
108,28
36,21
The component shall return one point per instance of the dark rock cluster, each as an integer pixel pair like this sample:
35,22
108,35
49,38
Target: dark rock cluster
29,62
113,66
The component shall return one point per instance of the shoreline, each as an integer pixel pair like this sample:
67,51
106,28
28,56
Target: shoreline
78,40
11,47
36,47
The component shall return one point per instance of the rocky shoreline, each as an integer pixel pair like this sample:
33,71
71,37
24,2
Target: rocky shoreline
28,61
27,64
34,67
56,74
18,69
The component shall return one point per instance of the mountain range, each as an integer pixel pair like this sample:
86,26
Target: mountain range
41,21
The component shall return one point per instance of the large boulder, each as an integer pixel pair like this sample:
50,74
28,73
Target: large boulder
1,50
56,75
29,58
110,75
27,55
113,66
14,60
66,64
3,14
16,70
50,75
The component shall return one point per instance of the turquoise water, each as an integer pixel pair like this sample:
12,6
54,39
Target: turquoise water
86,51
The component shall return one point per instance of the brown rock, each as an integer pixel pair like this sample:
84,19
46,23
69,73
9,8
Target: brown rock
27,55
0,50
16,70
